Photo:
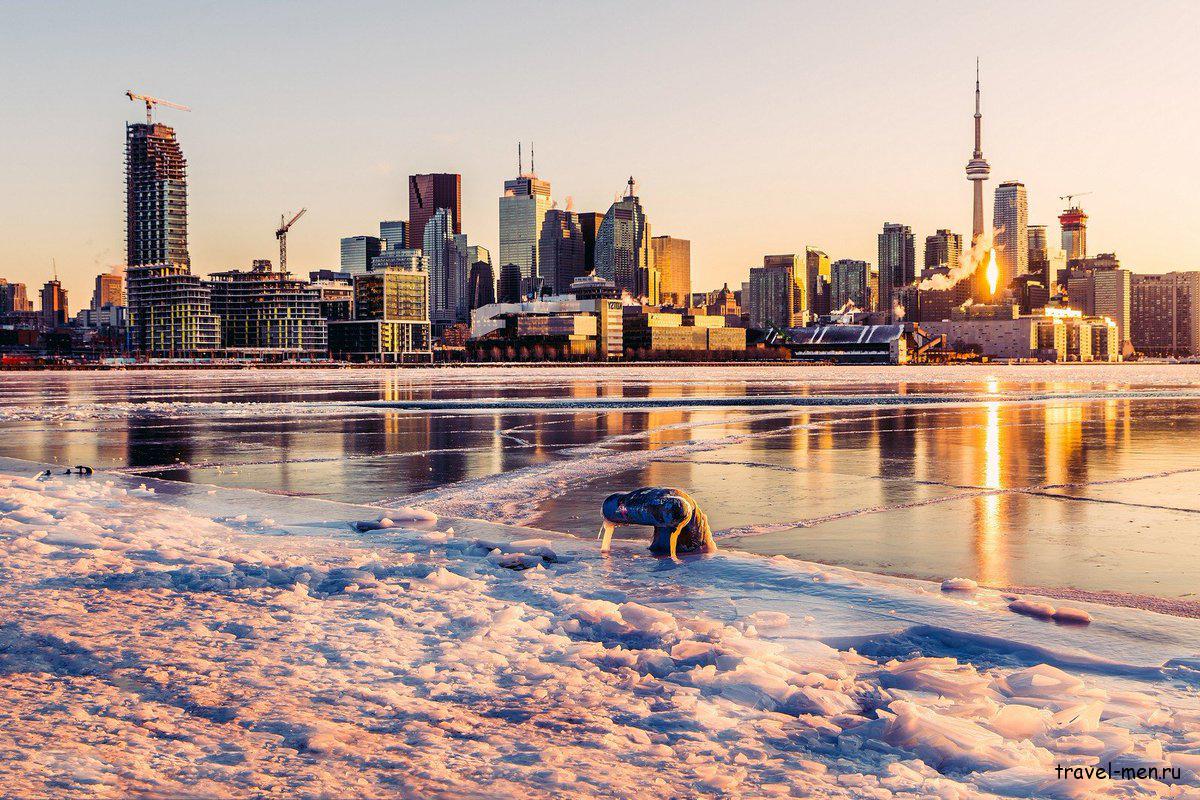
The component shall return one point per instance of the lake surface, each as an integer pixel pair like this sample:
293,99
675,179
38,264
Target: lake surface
1054,476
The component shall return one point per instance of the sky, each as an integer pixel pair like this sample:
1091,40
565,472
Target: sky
751,128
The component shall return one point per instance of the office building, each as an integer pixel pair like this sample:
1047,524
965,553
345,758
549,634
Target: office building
589,225
1038,256
265,313
509,287
391,318
778,291
850,283
393,235
673,260
1074,232
818,278
943,249
568,327
357,252
155,196
623,252
54,305
14,298
170,312
426,194
439,249
1165,314
1011,245
523,208
481,284
109,291
560,252
897,264
400,257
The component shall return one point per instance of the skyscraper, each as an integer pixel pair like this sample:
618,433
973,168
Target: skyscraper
357,252
560,252
589,224
1165,313
523,208
977,169
460,265
1038,255
778,292
673,260
426,194
439,249
942,249
393,235
623,252
155,196
817,276
110,291
510,284
14,298
54,304
1011,221
1099,287
481,284
850,283
1074,232
897,264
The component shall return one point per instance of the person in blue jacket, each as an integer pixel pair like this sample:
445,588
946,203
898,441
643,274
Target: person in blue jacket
679,524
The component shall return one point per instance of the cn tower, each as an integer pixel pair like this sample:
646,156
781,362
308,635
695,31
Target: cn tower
977,168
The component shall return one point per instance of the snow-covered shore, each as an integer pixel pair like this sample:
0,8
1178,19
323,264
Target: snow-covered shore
171,642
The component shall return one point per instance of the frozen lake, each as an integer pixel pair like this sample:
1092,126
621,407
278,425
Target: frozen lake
1052,476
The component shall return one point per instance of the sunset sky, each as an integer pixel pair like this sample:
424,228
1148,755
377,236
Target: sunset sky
751,128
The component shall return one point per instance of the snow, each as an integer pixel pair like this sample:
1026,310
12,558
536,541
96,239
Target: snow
162,643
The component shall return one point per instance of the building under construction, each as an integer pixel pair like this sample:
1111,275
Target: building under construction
155,196
170,312
268,314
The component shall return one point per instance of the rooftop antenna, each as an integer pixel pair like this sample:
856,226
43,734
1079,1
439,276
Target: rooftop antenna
532,168
630,187
54,267
520,161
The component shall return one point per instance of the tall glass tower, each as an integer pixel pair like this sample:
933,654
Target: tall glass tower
523,208
1011,221
155,196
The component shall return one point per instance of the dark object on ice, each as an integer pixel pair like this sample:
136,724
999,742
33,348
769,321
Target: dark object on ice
679,524
79,470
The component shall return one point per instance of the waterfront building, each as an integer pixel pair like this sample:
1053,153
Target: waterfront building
335,298
391,319
564,327
1099,287
1011,221
673,260
897,264
54,305
560,252
943,249
523,208
850,283
170,312
778,292
155,196
357,252
426,194
623,252
393,235
1165,314
14,298
267,314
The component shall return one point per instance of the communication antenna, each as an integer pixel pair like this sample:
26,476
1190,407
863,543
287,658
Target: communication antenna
532,168
520,161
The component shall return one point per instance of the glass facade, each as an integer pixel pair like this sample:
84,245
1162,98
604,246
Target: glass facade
623,252
673,260
426,194
393,235
357,252
155,196
523,208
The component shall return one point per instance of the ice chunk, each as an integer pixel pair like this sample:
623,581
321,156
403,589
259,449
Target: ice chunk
959,585
1032,608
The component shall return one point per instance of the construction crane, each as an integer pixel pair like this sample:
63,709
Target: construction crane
1070,197
151,102
281,235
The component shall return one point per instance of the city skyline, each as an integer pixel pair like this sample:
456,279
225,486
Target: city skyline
246,165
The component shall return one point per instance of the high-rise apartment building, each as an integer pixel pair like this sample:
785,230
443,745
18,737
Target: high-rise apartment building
1038,256
623,252
897,264
267,313
391,318
1165,313
673,260
1074,232
439,248
357,252
589,224
523,208
818,278
850,283
54,304
155,196
560,252
778,293
426,194
943,249
1100,288
393,234
170,312
14,298
1011,221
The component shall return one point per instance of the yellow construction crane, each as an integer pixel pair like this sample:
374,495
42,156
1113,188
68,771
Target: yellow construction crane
1070,197
151,102
281,235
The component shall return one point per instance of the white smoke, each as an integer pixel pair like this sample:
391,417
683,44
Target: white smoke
898,311
968,262
570,203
